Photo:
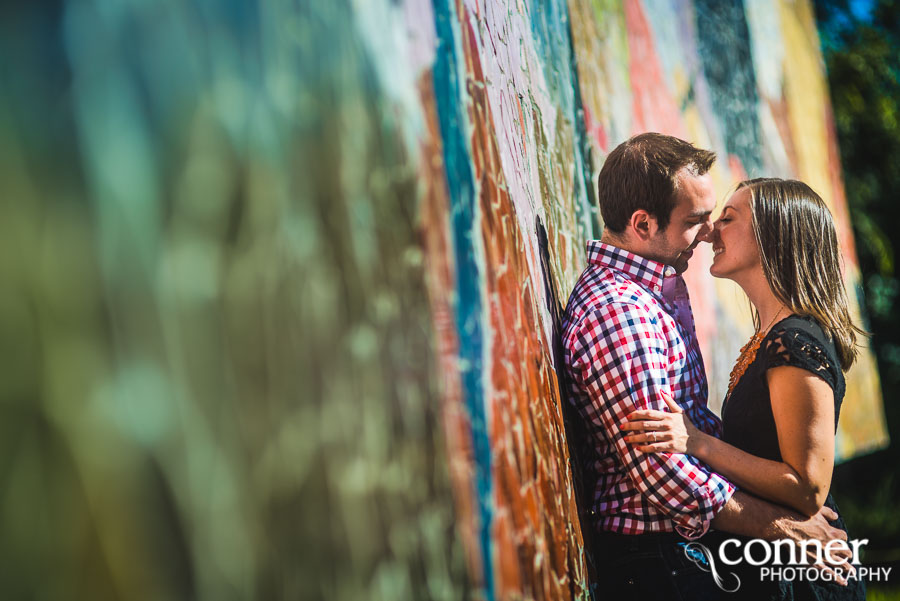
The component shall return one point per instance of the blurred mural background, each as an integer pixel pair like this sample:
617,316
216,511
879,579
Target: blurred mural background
280,282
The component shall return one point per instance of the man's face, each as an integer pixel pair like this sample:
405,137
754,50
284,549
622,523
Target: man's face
689,224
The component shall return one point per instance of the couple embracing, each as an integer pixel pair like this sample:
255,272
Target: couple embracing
669,477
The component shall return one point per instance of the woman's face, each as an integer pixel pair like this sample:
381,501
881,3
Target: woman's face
735,251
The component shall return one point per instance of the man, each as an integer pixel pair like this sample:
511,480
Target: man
629,339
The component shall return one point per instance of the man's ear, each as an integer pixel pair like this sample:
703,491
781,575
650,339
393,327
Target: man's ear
643,225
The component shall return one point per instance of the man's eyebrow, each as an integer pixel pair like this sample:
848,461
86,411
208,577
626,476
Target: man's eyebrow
699,214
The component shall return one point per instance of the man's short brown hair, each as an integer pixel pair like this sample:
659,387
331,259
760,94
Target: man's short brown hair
642,173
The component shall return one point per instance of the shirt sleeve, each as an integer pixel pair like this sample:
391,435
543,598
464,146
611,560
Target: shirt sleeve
620,358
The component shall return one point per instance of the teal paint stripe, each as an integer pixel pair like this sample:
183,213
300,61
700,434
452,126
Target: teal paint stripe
461,184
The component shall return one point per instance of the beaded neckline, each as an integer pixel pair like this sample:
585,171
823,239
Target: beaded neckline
748,354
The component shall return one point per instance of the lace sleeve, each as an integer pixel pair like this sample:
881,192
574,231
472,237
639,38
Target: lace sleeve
799,348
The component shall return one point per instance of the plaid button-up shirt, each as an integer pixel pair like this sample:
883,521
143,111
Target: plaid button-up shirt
624,345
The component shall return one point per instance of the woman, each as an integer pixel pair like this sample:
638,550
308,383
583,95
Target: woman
776,239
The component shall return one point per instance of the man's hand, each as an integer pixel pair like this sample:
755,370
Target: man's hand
751,516
799,528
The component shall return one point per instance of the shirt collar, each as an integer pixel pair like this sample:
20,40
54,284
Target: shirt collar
646,272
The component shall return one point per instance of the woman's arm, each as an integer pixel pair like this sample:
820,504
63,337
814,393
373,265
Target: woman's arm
803,408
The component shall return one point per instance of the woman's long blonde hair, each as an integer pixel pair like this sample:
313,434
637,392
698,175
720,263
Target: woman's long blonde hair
801,258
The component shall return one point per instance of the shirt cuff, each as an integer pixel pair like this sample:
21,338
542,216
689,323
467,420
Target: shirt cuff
712,498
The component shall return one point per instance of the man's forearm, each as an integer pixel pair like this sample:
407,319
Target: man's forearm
750,516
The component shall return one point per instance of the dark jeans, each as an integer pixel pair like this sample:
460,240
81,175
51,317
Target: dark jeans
651,567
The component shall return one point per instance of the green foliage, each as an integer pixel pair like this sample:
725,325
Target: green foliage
863,66
861,46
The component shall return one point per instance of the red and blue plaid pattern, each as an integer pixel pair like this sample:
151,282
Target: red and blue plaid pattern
623,347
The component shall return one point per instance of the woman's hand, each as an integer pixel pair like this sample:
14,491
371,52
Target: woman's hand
662,431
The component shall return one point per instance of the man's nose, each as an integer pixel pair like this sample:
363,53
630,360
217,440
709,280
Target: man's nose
706,233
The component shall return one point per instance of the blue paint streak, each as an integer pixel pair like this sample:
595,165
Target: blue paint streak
461,184
552,34
586,210
727,63
549,28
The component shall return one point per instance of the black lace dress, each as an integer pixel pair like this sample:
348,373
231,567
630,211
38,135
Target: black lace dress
750,426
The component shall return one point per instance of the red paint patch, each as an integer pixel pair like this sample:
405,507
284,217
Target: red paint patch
839,198
595,130
738,173
653,106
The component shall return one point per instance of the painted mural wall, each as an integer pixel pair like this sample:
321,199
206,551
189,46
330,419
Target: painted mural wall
546,92
281,282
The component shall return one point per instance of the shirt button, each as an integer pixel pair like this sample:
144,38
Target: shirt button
656,288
